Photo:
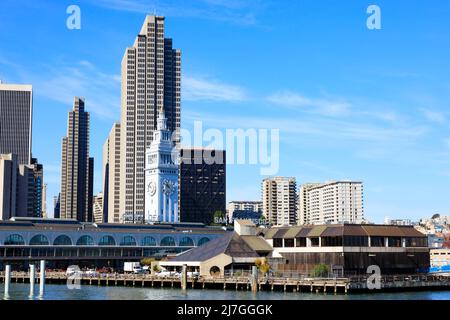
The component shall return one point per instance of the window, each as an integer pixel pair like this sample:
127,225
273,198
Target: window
85,241
289,243
14,239
128,241
356,241
416,242
62,240
186,242
394,241
148,242
301,242
377,241
39,240
202,241
168,242
278,243
331,241
315,242
107,241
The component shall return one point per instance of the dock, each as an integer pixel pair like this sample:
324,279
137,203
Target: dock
305,285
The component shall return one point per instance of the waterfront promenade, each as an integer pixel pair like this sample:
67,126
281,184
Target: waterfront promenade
243,283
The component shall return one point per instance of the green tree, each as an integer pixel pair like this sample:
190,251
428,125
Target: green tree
147,261
320,270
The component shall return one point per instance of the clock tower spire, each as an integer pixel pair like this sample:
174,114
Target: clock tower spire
161,176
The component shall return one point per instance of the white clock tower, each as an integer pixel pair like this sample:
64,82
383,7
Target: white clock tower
161,176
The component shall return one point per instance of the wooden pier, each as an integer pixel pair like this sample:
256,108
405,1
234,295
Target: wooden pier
306,285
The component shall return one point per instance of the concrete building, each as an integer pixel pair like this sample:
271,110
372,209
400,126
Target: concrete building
111,176
161,176
63,242
151,73
44,201
97,210
202,185
21,188
16,106
279,199
244,210
398,222
331,202
9,169
76,166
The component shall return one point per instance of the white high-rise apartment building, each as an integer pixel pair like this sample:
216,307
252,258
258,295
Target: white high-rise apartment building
151,77
250,206
331,202
279,200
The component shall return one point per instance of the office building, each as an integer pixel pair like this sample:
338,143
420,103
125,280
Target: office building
9,169
30,184
279,200
56,206
98,208
16,105
44,201
151,73
76,176
202,185
331,202
111,176
244,210
161,176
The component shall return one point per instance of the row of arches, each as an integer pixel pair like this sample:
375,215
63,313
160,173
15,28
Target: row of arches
106,240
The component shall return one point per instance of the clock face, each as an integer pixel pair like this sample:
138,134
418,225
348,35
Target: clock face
151,187
168,187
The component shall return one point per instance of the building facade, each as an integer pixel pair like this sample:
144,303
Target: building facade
202,185
161,176
111,176
151,73
69,242
9,169
76,178
16,106
97,210
279,197
244,209
331,202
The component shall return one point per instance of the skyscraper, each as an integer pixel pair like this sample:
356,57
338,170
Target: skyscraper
111,176
16,104
8,185
75,166
97,208
161,176
202,185
30,185
151,73
279,200
331,202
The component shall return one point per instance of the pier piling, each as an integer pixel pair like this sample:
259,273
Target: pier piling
7,280
42,278
184,277
32,279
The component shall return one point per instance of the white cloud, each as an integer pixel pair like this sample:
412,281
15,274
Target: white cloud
324,107
196,89
433,116
63,83
241,12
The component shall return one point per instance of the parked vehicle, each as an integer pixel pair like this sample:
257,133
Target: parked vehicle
91,273
132,267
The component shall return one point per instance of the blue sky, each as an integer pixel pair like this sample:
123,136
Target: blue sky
350,103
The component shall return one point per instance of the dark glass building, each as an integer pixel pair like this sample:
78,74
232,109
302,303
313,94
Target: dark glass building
202,185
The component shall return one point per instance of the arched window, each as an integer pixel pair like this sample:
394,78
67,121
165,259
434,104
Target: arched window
202,241
214,271
14,239
107,241
128,241
148,241
168,242
186,242
39,240
85,241
62,240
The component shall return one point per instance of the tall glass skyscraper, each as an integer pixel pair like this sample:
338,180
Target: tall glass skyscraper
151,76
